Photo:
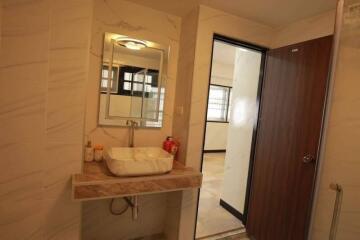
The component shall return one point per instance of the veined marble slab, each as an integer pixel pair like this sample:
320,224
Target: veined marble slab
97,182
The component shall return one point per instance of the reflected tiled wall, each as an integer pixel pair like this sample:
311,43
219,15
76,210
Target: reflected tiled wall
341,162
44,56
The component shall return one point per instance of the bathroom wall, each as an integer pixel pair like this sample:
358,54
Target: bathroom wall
209,22
222,72
45,57
124,17
189,26
216,136
43,67
310,28
340,161
187,46
243,118
23,128
69,42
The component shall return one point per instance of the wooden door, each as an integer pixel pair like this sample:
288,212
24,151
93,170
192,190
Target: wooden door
289,131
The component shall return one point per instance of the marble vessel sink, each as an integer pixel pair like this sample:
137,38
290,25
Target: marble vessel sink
138,161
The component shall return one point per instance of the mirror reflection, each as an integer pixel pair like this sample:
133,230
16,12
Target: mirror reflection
134,88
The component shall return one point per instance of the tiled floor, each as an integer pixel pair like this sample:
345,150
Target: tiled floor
212,218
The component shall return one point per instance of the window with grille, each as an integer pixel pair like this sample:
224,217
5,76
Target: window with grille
218,104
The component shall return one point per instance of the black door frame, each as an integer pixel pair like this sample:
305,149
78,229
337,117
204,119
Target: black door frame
262,50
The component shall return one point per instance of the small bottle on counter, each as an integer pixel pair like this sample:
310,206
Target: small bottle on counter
171,146
98,152
89,152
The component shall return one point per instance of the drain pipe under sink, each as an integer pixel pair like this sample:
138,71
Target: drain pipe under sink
130,202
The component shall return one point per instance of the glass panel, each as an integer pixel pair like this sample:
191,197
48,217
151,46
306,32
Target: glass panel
114,79
137,87
148,79
104,83
148,88
127,76
139,77
105,73
127,86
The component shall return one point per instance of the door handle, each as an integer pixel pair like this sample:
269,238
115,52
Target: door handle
308,158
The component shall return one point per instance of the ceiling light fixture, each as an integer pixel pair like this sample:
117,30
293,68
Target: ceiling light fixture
132,44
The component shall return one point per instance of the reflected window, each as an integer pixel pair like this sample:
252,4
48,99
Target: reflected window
105,78
136,81
161,111
219,103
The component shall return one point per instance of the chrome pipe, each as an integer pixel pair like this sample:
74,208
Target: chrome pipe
132,125
337,207
135,208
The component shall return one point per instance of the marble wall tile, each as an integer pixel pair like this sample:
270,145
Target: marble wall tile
25,28
69,44
137,21
21,191
183,86
189,27
43,69
23,66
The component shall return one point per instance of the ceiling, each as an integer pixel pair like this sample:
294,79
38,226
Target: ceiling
274,13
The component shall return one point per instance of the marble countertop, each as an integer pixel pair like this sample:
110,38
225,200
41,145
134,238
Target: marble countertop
97,182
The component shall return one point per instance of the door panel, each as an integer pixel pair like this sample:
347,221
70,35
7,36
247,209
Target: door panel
289,129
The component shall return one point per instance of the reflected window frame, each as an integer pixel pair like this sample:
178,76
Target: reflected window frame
114,89
126,71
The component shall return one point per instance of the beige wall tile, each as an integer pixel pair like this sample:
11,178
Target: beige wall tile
310,28
22,108
43,68
70,26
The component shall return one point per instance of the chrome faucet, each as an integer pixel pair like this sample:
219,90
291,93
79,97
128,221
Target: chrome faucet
132,126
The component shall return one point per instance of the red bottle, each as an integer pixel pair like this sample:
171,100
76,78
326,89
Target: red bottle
167,144
171,146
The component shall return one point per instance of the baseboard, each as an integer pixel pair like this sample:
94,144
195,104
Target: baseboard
215,151
232,210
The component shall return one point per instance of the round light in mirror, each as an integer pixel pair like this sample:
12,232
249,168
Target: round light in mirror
132,44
